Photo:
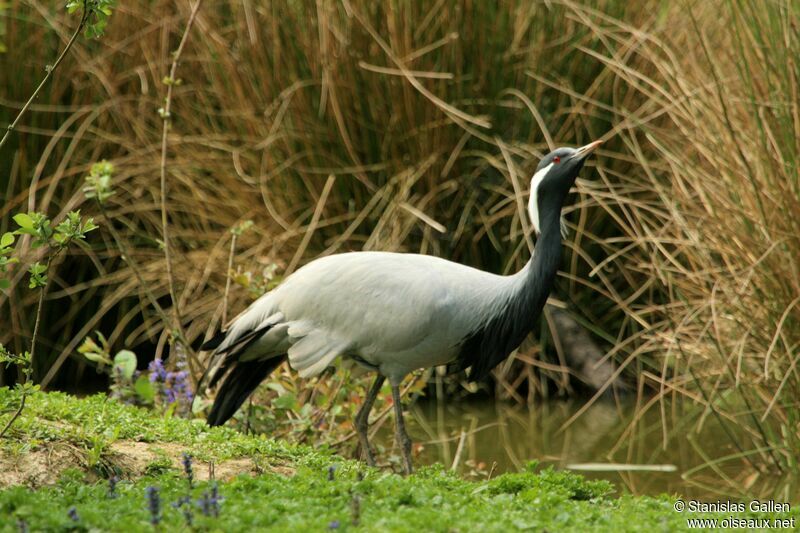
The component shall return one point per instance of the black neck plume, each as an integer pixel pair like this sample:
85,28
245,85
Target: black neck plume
489,345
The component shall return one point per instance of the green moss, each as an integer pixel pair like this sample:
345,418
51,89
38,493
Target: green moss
158,467
567,484
431,500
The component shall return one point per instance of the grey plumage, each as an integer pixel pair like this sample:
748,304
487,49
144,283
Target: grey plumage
395,313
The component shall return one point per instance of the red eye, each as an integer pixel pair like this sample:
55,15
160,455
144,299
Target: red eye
556,159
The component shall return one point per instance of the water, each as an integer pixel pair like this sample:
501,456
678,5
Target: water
498,437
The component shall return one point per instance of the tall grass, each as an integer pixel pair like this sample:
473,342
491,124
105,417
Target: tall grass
266,111
722,237
682,256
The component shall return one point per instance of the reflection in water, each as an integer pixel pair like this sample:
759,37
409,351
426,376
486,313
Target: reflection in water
498,437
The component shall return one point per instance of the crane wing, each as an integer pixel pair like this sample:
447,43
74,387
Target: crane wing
377,306
367,301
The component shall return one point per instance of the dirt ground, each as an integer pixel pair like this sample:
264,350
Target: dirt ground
127,459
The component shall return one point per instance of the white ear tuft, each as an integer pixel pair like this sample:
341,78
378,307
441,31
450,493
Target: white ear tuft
533,202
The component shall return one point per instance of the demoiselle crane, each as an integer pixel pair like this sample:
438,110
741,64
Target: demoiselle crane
394,313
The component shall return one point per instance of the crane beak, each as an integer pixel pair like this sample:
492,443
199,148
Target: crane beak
584,151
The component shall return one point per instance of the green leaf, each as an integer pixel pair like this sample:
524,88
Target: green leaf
199,404
89,225
6,240
97,357
144,389
23,220
37,268
4,283
37,282
125,361
286,401
170,411
102,338
241,228
88,345
277,387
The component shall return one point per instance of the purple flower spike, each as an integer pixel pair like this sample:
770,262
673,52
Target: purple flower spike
153,505
184,504
205,504
216,499
172,387
157,371
187,469
112,487
209,502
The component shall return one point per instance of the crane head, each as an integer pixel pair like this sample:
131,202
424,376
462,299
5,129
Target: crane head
553,178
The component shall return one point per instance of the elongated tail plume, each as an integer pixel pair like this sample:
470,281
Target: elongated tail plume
237,385
238,378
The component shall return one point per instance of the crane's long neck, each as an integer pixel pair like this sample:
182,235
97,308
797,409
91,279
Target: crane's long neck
537,277
515,309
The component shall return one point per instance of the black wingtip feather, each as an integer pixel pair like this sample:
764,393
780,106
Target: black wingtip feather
239,383
213,342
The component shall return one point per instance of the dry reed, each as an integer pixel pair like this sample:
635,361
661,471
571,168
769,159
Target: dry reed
683,255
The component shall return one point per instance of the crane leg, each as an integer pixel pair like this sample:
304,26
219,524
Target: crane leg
400,435
362,419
